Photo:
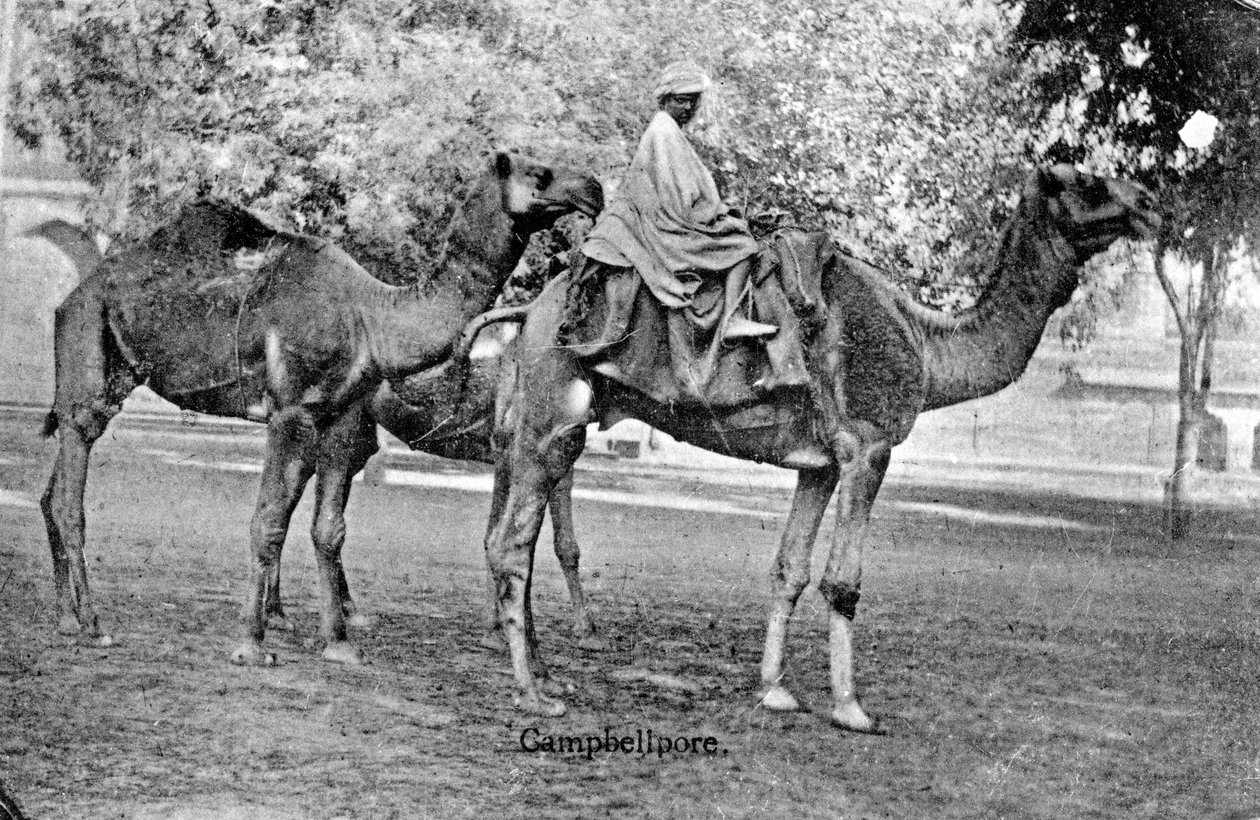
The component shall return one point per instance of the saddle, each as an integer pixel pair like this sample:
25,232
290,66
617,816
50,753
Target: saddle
623,332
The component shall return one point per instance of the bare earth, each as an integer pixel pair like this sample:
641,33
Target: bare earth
1031,656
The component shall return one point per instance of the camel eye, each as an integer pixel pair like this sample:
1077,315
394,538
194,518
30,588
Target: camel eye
544,178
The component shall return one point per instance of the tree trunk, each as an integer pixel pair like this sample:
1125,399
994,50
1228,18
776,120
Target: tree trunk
1177,513
1197,327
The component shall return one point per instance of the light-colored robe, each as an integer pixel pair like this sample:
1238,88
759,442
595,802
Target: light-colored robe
667,219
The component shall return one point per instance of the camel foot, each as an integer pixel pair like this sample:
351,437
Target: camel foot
847,714
778,699
68,625
343,652
250,653
536,703
92,637
493,640
360,620
592,642
556,687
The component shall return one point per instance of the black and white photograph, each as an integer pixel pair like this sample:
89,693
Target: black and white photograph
840,409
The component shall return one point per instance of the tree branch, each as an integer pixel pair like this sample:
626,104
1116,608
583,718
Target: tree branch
1209,291
1183,322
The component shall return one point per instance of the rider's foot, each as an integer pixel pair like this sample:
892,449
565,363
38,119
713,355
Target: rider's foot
737,327
785,380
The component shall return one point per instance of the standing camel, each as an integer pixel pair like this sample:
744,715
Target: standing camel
901,359
436,411
434,414
221,314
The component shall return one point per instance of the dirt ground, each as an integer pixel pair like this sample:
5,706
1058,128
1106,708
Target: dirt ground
1030,657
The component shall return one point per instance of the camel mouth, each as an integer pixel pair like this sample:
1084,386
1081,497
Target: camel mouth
587,198
580,200
1146,224
1146,217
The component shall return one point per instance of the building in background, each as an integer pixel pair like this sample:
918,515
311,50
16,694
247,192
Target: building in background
36,186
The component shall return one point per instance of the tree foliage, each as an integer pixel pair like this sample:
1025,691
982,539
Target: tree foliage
1120,80
357,121
894,125
1123,86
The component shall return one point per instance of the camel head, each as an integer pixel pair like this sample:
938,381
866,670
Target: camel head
536,195
1092,212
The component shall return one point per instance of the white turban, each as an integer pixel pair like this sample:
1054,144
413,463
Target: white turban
682,77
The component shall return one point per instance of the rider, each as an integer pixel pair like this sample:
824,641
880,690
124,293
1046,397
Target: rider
669,223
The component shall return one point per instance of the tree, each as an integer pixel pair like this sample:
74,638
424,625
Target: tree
1117,83
897,129
359,121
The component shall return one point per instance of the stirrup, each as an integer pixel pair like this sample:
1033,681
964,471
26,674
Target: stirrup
737,327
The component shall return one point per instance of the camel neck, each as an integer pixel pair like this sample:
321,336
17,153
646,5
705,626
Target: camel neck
1032,273
482,245
419,324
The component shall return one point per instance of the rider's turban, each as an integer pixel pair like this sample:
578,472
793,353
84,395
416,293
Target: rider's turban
682,77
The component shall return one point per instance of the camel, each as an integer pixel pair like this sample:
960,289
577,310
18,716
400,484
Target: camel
453,416
901,358
446,412
221,314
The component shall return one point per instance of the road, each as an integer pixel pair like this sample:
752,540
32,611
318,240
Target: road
1031,655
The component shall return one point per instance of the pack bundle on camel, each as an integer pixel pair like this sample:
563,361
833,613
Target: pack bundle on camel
900,359
221,314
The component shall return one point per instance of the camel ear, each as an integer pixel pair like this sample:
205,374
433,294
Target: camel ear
503,164
1058,177
1047,185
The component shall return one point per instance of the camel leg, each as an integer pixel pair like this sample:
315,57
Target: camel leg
560,505
91,382
790,576
288,465
535,465
49,504
841,583
277,618
510,553
348,607
492,635
359,443
343,451
273,606
356,432
64,519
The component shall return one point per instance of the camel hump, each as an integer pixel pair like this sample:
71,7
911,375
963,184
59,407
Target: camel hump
215,226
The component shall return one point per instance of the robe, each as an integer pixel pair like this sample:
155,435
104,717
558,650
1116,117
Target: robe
667,220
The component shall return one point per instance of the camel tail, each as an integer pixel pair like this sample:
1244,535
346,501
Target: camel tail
50,424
